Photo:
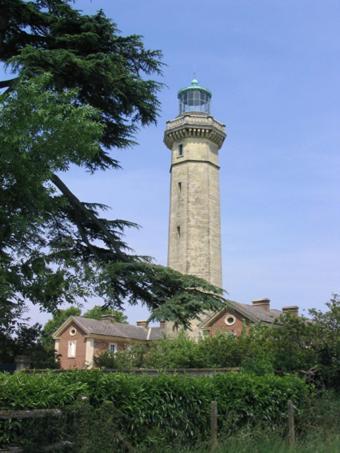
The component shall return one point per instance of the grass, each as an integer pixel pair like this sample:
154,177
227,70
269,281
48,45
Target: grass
264,442
270,444
317,431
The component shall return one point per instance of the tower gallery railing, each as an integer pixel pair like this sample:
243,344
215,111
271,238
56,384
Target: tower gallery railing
194,119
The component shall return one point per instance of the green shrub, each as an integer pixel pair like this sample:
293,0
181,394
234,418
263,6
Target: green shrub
259,365
160,408
40,390
317,431
106,360
291,345
132,357
180,352
222,350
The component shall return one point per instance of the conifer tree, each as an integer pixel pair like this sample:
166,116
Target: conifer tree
80,89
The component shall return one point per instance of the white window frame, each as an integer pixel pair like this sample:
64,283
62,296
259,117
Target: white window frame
72,349
115,348
226,319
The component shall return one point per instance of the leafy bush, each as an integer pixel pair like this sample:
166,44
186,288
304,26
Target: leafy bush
39,391
310,347
222,350
180,352
133,357
162,408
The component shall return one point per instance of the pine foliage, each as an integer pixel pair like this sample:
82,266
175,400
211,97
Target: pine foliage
81,89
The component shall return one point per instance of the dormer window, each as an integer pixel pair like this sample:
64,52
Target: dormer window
180,150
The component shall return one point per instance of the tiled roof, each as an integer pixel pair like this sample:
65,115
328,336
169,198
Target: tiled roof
111,329
251,312
261,314
108,328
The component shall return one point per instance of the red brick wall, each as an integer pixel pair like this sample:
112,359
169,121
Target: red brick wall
101,346
220,325
65,337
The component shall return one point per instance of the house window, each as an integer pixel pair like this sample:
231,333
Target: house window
180,150
112,348
178,231
73,331
180,187
72,349
230,319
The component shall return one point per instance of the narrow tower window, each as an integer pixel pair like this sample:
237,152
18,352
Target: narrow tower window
180,150
180,187
178,231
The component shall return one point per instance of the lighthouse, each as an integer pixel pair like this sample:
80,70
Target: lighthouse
194,138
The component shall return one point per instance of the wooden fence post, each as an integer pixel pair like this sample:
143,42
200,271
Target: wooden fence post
291,424
213,425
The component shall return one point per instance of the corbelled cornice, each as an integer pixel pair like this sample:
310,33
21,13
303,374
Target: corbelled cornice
194,125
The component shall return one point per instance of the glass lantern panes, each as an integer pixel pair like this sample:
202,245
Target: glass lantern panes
194,101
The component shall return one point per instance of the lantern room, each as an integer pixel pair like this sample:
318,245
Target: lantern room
194,98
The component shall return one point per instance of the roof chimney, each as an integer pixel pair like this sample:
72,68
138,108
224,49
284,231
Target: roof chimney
109,318
143,324
291,310
264,304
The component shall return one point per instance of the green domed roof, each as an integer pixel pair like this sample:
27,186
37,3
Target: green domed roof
194,85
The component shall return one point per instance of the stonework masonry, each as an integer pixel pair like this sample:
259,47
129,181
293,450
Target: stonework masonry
194,221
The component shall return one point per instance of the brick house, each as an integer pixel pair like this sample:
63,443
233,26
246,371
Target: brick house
79,340
235,317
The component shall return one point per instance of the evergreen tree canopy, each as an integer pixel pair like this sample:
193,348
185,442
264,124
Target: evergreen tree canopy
87,53
81,89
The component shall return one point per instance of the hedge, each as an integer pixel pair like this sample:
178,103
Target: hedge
170,407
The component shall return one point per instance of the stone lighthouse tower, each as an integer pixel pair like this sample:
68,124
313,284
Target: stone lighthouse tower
194,139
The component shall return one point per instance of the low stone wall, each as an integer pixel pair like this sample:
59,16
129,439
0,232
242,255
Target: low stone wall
190,371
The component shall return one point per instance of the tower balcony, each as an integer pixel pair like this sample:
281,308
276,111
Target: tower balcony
194,125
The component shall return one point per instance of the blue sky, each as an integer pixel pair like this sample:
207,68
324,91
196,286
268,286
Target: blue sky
273,67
